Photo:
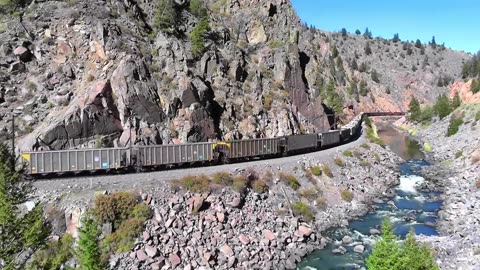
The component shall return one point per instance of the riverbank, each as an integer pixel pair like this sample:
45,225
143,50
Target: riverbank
457,172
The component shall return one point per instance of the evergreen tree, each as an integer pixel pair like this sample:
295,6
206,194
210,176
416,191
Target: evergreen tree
414,256
197,37
418,44
344,32
396,38
18,233
456,101
354,65
357,32
433,43
88,250
167,16
475,87
442,106
334,50
197,9
367,33
375,76
334,100
414,109
386,252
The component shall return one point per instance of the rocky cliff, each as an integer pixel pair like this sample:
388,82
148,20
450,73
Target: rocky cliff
100,73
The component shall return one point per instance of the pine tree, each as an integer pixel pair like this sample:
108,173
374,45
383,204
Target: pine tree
386,252
197,37
414,109
443,106
414,256
344,32
167,16
197,9
17,233
88,250
433,43
357,32
396,38
456,101
418,44
363,88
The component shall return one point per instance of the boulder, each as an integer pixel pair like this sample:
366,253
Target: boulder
359,249
23,54
269,235
220,217
339,250
174,260
347,240
244,239
17,68
141,255
304,231
227,250
151,251
374,231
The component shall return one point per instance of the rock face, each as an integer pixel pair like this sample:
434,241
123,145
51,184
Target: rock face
262,74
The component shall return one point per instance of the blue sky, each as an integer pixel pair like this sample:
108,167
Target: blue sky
455,22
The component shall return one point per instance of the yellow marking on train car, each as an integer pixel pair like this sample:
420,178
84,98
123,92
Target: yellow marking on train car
26,156
221,143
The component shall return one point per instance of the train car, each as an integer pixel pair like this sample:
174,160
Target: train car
253,148
76,160
345,134
301,142
157,155
330,138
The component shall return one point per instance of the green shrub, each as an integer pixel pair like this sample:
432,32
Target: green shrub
290,180
142,211
477,116
373,136
53,255
222,178
196,183
197,9
458,154
347,195
327,170
442,106
316,170
455,123
321,203
339,162
301,209
348,153
259,186
365,145
167,16
115,207
240,183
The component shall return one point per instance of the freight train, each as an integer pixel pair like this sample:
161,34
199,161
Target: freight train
138,158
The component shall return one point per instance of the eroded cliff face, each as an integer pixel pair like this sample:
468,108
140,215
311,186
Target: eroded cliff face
99,73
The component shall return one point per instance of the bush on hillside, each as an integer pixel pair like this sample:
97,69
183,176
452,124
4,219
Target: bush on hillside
348,153
54,255
222,178
197,37
115,207
455,123
302,209
316,170
346,195
289,180
259,186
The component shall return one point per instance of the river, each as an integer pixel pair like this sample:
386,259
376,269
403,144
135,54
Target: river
410,208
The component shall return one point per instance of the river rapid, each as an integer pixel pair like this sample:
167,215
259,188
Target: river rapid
410,208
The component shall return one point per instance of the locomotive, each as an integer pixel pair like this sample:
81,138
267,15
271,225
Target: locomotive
138,158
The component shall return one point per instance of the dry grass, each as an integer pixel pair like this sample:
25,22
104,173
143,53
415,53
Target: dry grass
316,170
347,195
321,203
309,193
289,180
259,186
478,183
339,162
222,178
327,171
240,183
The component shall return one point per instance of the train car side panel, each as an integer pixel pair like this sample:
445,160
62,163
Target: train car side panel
301,142
330,138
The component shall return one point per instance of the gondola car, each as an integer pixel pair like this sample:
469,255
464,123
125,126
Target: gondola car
138,157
